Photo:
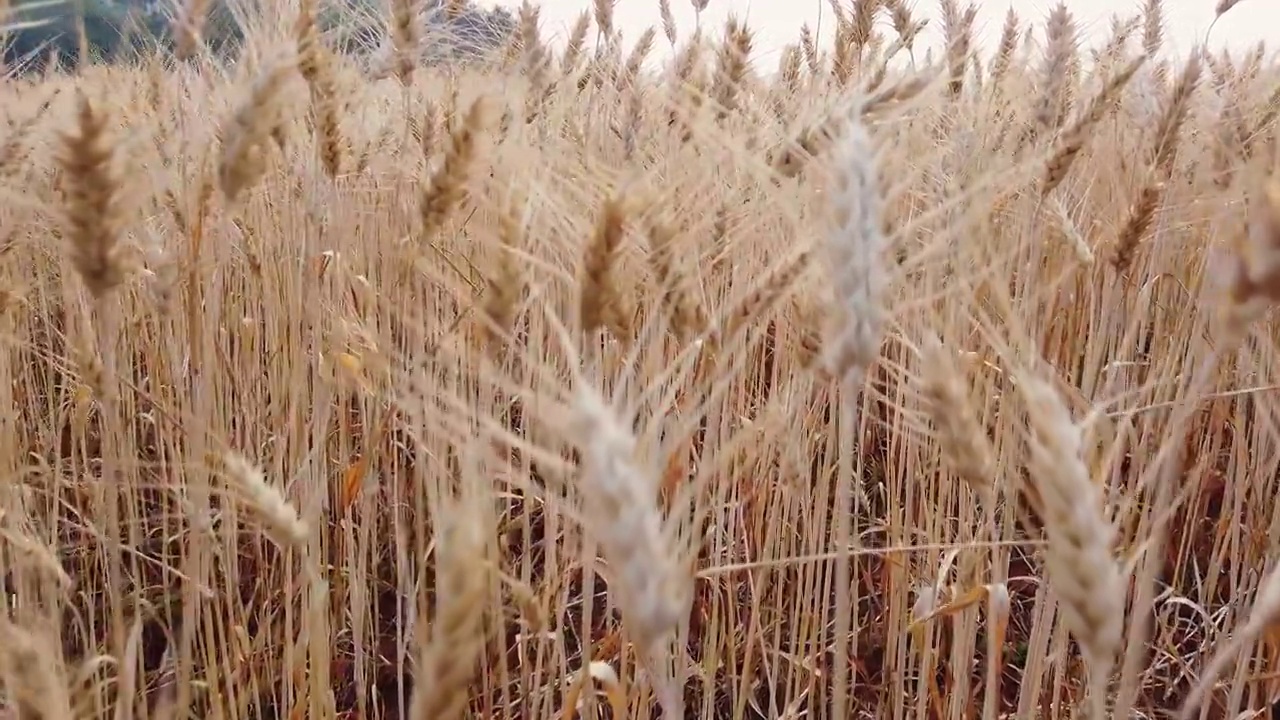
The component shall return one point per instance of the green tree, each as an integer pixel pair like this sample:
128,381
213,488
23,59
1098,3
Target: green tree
120,30
44,27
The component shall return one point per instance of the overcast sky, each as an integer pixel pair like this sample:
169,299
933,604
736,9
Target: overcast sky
778,22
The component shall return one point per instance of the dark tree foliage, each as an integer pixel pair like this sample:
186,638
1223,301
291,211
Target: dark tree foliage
110,30
119,30
475,31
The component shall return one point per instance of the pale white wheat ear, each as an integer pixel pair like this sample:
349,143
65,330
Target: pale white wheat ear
648,579
855,254
855,257
278,517
1078,558
33,674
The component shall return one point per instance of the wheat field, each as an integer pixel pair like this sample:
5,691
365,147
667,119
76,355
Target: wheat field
892,382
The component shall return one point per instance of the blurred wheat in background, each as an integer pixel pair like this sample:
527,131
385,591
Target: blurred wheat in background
468,376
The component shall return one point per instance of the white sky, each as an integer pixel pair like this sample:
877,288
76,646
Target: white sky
778,22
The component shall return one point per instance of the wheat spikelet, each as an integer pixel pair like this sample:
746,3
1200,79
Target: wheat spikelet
957,28
789,71
810,50
732,66
762,298
895,94
688,319
904,23
1071,232
188,27
789,161
1174,115
1060,36
1152,27
1077,134
857,270
1141,214
535,59
843,60
1121,30
861,23
1252,277
603,12
1006,46
572,54
17,147
429,131
406,35
315,67
505,287
635,60
1224,6
668,21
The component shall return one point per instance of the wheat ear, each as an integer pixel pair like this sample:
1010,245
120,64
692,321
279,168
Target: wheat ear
447,661
33,673
93,215
855,255
243,159
948,406
1078,558
856,265
279,518
448,186
651,585
1253,275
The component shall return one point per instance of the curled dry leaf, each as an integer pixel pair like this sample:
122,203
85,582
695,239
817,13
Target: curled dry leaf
991,594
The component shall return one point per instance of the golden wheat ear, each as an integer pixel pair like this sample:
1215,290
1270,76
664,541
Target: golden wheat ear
93,213
259,116
448,660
